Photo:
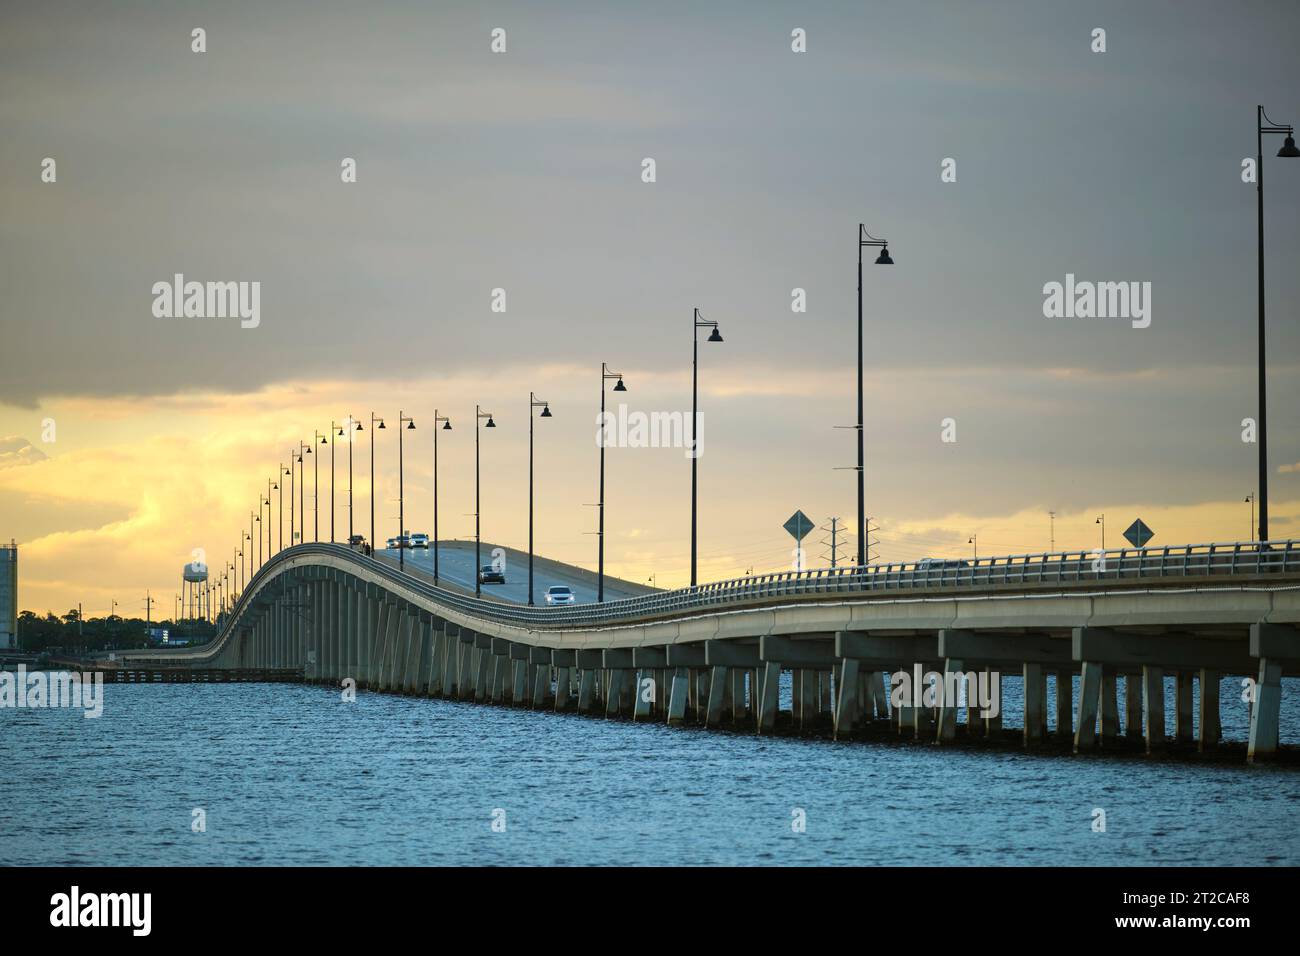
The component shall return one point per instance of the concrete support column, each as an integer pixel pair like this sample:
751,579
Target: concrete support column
677,697
641,704
1132,706
483,677
1183,706
1035,705
614,692
1109,708
1085,732
993,722
375,641
1064,701
1266,713
769,696
1153,707
948,708
1210,728
738,708
846,711
587,690
717,691
437,658
563,680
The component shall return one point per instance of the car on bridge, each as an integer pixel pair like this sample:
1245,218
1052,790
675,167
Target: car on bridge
560,594
489,574
420,540
941,564
356,541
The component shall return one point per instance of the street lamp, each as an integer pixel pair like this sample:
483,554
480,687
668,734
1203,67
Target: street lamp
1288,151
315,488
333,427
270,487
351,421
974,543
401,512
715,336
533,403
478,415
865,239
292,516
373,419
1251,499
303,449
1101,520
605,375
288,472
446,426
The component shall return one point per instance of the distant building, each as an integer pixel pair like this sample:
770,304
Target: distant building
9,596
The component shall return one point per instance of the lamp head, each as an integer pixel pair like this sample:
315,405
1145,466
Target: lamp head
546,411
884,258
381,423
410,425
340,431
446,426
322,440
619,386
715,335
1288,150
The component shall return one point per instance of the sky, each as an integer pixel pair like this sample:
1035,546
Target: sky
127,440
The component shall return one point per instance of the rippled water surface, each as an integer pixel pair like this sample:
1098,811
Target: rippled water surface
291,774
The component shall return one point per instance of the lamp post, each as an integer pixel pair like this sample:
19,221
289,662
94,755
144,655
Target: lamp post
699,322
401,505
533,403
351,422
280,488
1101,520
1251,499
446,426
303,448
292,516
974,542
339,428
865,239
1288,151
270,487
478,415
373,419
315,487
605,375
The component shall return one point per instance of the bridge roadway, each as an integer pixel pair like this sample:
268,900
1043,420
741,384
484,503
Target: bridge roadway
715,654
456,567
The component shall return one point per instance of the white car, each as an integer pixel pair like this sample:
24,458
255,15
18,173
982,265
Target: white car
420,541
560,594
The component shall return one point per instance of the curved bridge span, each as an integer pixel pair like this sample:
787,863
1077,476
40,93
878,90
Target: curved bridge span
715,654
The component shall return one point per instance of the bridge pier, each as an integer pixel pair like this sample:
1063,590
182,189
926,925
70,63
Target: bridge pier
1035,705
1153,700
1210,729
677,697
1132,706
1183,706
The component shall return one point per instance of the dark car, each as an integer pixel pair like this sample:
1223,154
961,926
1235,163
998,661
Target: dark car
490,575
356,540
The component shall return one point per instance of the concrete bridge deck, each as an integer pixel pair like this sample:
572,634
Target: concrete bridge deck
717,652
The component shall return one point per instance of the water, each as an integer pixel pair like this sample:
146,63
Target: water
290,774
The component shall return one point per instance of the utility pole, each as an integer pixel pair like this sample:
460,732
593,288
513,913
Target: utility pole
1052,516
834,541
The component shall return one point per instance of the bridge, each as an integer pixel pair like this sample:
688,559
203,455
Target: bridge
714,654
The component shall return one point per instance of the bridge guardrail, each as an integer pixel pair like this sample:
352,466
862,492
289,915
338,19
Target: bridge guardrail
1236,559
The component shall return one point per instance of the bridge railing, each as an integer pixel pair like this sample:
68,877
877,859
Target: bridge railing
1235,559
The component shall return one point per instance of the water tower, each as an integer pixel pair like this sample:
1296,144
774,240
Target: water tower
194,577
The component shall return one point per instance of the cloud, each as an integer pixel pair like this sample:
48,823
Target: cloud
15,451
1288,469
